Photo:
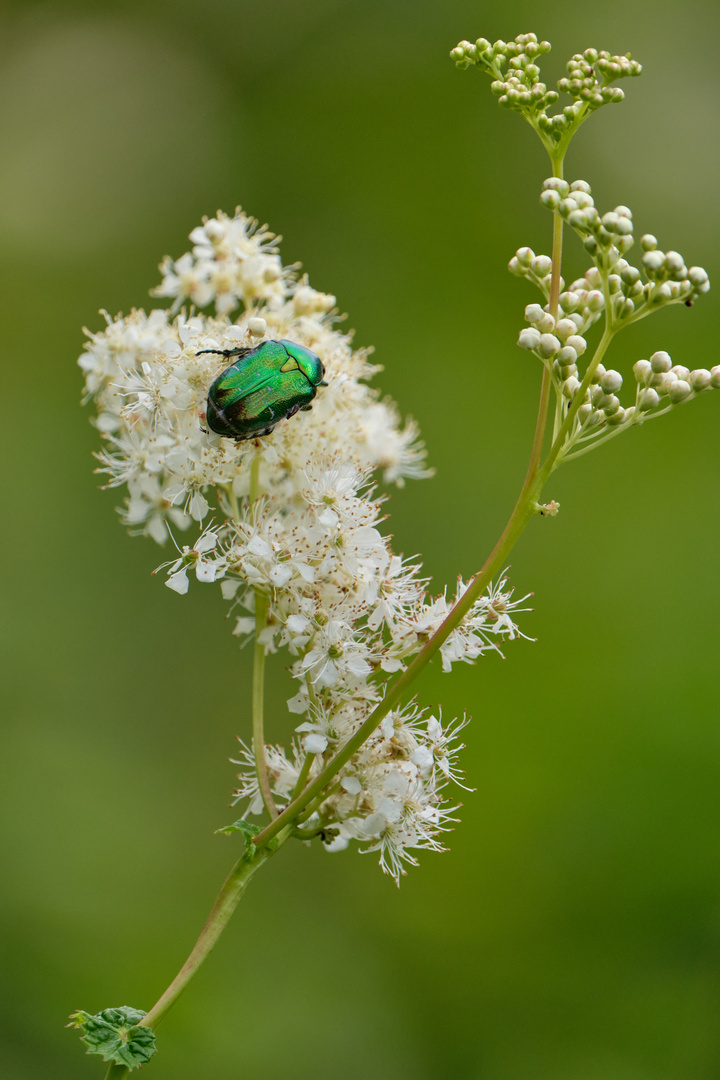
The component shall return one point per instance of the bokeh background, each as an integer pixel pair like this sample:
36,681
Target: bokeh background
573,931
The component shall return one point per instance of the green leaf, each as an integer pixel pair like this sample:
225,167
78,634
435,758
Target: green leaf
115,1034
246,829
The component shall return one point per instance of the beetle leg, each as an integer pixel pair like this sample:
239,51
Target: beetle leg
292,411
305,408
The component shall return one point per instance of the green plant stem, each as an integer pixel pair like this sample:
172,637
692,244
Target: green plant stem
225,904
258,694
116,1072
303,774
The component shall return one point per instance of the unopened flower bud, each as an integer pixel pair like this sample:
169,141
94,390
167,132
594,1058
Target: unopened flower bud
564,328
653,261
660,361
617,416
529,338
584,413
576,342
533,313
554,183
700,379
595,300
548,345
630,274
257,326
715,377
675,262
642,370
681,372
697,275
611,404
541,265
571,386
569,301
679,391
576,218
648,242
567,355
550,199
525,256
648,399
611,381
546,324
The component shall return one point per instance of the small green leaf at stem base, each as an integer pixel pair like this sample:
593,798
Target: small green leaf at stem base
248,831
116,1035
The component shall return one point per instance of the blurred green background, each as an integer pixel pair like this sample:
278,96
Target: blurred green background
573,931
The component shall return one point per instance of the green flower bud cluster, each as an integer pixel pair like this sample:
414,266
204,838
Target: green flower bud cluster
513,66
606,238
536,268
667,280
517,85
602,405
524,50
591,73
658,387
558,343
659,382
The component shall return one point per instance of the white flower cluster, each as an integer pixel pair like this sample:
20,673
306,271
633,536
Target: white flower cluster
290,518
513,66
390,797
233,262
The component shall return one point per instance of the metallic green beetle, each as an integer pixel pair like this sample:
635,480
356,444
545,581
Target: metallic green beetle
262,386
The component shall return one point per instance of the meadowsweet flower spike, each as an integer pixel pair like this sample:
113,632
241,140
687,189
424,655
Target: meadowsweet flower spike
247,420
288,525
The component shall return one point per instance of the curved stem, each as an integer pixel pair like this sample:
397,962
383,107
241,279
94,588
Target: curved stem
225,904
223,908
258,693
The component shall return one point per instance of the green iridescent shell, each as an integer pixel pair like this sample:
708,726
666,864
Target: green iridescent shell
261,387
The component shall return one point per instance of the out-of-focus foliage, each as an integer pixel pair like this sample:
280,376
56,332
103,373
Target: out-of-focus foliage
574,928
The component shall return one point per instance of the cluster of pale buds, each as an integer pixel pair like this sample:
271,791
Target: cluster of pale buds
659,385
517,84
